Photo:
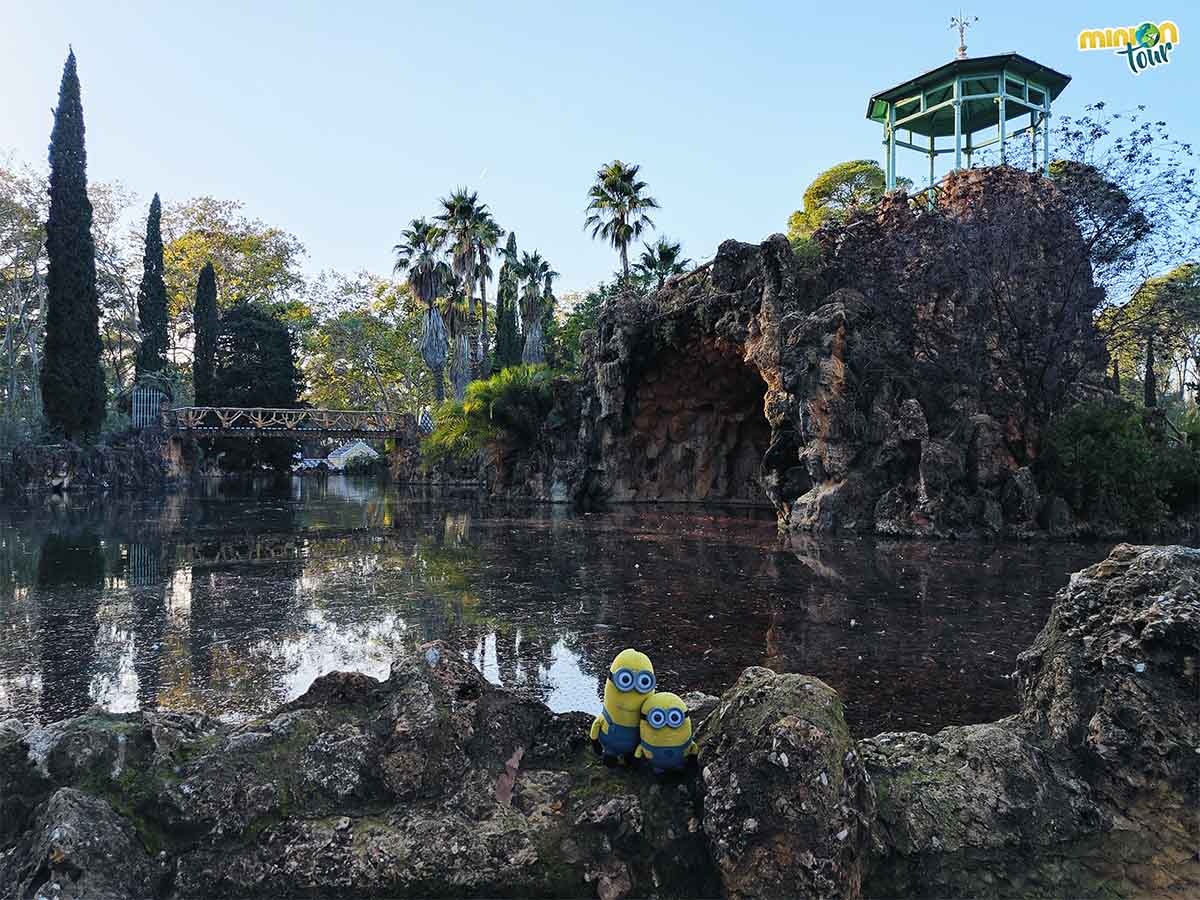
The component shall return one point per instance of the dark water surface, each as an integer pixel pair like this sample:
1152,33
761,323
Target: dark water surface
235,601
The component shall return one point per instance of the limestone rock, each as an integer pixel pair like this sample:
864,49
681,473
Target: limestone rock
787,803
876,389
437,782
1092,787
78,848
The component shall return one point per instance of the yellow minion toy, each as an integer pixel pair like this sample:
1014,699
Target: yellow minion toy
666,733
630,680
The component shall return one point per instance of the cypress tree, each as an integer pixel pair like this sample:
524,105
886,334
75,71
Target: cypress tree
73,392
152,298
1151,384
206,323
508,337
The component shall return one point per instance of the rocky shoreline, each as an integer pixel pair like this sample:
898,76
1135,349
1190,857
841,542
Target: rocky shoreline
438,783
138,462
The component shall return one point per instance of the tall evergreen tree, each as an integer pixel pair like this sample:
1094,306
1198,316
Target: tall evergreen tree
256,366
73,392
508,334
206,323
1151,383
152,298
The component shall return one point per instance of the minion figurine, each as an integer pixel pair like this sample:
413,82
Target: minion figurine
666,733
630,680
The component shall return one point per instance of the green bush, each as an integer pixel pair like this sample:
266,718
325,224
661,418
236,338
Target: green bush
507,408
1189,424
365,465
807,251
1108,461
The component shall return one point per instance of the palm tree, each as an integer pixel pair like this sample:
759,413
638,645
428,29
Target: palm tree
537,275
457,314
617,205
464,218
487,236
419,253
661,260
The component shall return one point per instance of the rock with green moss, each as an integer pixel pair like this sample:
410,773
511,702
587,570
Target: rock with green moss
432,783
438,783
1092,788
787,803
79,848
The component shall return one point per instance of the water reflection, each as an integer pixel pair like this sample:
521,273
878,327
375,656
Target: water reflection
236,598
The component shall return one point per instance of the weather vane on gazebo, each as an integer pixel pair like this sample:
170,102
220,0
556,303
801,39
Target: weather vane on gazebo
962,23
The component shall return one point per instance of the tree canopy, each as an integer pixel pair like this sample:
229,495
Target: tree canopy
364,352
836,192
251,260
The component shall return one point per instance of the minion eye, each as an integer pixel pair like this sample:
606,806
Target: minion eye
645,682
657,718
675,718
623,679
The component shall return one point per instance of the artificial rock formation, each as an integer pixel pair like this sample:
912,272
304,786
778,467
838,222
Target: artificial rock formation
437,783
139,463
899,385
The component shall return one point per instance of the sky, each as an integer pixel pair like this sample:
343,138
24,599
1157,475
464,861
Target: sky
340,122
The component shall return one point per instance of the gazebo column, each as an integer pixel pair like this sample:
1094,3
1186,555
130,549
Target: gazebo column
1046,140
891,147
1033,124
932,157
958,131
1003,120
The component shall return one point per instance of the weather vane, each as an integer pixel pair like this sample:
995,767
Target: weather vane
962,23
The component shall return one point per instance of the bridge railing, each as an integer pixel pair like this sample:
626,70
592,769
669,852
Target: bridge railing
266,420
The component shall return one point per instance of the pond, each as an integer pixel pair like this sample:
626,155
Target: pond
234,598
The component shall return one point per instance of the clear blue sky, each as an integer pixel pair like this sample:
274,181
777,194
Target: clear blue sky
342,121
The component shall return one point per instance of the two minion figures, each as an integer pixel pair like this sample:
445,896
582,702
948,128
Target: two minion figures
638,723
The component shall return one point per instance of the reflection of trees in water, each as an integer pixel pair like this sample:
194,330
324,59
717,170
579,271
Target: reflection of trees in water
70,578
937,625
150,565
19,666
310,584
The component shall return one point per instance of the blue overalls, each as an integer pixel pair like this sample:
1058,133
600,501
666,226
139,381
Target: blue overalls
619,739
667,757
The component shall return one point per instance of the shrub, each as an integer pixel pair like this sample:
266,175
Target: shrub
1108,461
365,465
507,409
808,252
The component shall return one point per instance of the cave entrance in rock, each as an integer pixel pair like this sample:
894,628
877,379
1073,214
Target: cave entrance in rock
698,429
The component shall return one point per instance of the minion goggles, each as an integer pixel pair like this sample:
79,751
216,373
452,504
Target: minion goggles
628,680
660,718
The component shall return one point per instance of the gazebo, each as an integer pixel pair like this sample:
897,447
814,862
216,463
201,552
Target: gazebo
957,101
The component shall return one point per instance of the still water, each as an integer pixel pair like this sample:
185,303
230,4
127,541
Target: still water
235,598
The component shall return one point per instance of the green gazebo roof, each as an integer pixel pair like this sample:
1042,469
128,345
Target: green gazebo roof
976,114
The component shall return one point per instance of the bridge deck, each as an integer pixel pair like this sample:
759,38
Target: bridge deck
287,422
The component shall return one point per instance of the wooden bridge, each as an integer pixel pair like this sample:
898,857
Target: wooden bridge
263,422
